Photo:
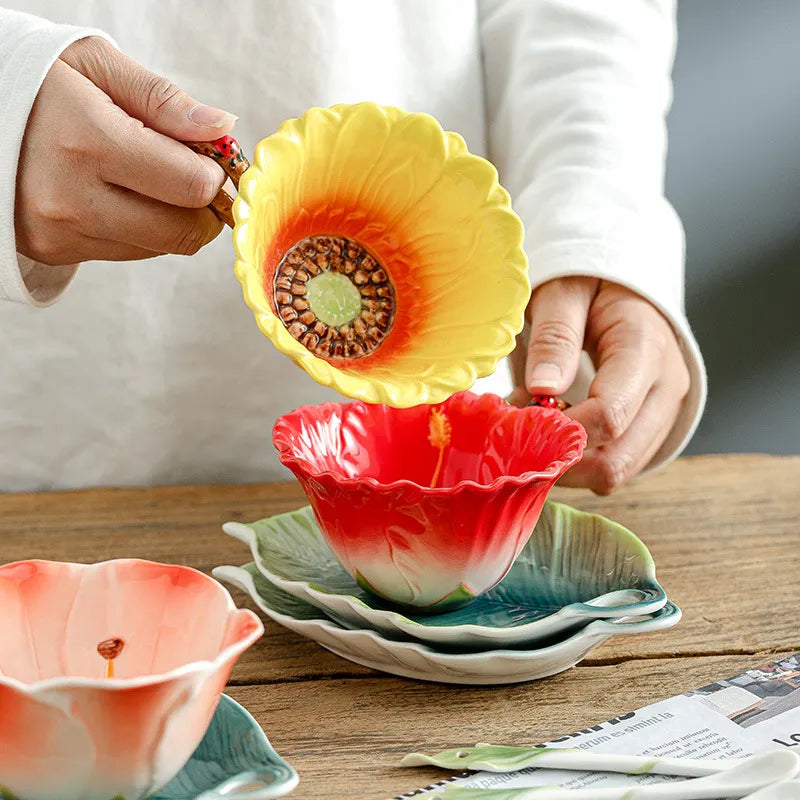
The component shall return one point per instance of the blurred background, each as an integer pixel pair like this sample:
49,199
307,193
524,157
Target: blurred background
733,174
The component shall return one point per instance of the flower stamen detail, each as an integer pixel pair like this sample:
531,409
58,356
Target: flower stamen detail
110,649
439,432
334,297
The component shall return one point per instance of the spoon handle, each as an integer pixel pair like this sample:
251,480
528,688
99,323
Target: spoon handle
227,152
692,789
785,790
634,765
749,775
497,758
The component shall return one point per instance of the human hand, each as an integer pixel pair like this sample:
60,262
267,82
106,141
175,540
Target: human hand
101,175
641,378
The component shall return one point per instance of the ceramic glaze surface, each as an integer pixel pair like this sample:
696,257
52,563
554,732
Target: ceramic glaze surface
412,660
69,731
366,471
233,751
574,568
334,297
430,214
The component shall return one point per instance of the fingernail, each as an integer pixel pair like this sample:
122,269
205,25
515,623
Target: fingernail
544,374
210,116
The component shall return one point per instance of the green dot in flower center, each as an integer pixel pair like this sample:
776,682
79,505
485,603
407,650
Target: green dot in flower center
333,298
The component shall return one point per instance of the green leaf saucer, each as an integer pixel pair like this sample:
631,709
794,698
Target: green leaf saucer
233,760
575,568
426,662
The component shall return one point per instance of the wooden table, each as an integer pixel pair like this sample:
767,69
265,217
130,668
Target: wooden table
724,531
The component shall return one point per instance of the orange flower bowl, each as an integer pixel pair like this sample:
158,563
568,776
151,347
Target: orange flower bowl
110,674
367,472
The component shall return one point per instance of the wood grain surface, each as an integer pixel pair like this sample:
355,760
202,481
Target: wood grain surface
724,531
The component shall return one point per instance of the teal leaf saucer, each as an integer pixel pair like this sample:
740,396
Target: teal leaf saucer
233,761
575,568
409,659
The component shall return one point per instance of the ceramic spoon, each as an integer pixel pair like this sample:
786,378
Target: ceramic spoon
749,775
785,790
498,758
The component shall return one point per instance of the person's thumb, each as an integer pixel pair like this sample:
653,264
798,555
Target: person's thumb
558,314
148,97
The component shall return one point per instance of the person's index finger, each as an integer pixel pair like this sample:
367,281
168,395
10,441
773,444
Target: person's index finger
145,96
153,165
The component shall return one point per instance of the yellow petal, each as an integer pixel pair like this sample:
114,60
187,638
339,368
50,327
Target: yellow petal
451,244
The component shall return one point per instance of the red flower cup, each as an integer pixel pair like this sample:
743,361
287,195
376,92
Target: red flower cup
367,472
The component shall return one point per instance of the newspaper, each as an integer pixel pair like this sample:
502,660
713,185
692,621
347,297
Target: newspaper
750,713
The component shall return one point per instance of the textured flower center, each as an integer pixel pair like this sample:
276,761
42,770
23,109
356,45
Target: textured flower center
334,297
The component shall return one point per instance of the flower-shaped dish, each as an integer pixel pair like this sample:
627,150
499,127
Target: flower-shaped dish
379,254
576,567
366,471
413,660
109,674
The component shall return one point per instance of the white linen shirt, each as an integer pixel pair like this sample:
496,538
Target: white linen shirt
154,372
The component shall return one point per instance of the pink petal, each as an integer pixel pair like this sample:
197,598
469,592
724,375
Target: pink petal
42,741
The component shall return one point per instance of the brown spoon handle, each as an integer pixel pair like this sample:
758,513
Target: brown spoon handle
227,152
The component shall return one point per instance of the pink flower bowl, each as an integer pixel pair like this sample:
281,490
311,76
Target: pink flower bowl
367,469
71,732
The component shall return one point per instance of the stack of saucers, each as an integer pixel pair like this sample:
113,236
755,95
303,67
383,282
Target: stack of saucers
579,580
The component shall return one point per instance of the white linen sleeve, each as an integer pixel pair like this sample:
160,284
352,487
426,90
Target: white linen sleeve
28,48
577,92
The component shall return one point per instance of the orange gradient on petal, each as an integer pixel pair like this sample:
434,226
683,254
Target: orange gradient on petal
396,257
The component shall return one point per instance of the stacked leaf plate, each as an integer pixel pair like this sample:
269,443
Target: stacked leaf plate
580,579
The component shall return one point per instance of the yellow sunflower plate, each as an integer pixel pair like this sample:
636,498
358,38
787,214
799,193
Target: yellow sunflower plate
378,253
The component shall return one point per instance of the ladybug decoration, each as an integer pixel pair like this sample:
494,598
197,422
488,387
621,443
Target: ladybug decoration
226,148
227,152
548,401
